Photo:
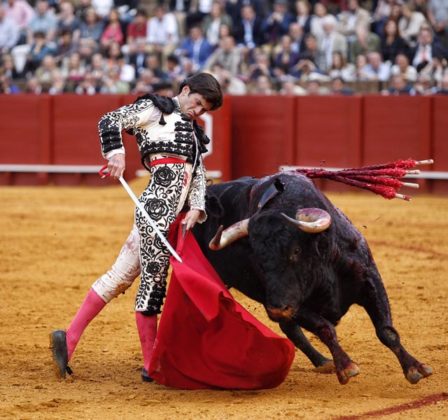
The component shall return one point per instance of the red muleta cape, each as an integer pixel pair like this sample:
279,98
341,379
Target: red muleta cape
205,338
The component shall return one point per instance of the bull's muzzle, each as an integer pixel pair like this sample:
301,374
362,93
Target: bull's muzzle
278,314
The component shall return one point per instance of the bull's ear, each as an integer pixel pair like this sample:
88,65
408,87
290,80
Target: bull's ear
274,189
214,206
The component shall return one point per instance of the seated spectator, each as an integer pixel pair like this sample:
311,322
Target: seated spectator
144,83
113,32
97,68
196,48
91,27
320,11
230,84
248,30
153,64
306,69
173,68
341,69
21,13
381,14
43,20
138,55
261,66
442,89
213,21
330,42
9,69
314,87
112,83
86,49
424,85
285,59
398,85
403,67
163,33
391,42
9,31
127,9
65,46
310,50
426,49
57,86
7,85
364,43
138,28
297,36
47,72
277,23
103,7
437,68
290,87
67,21
352,18
227,55
163,89
263,86
88,85
73,71
376,69
33,86
409,23
338,86
303,15
39,49
438,17
360,68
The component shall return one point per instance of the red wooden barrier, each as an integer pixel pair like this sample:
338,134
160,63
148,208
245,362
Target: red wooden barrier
262,134
328,131
25,134
397,127
440,139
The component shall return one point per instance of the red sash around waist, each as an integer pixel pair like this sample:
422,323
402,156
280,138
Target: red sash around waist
166,160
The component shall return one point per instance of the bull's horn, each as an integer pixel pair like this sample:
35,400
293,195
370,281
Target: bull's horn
225,237
310,220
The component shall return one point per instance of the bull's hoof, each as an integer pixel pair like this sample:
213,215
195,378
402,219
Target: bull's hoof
326,367
415,373
344,375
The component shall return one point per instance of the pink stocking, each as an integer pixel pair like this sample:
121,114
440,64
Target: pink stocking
147,331
89,309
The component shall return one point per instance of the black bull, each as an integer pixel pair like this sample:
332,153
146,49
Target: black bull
306,273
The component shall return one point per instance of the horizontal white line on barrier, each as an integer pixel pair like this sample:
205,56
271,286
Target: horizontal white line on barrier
421,175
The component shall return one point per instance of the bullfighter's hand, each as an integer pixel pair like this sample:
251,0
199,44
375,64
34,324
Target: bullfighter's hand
116,165
191,218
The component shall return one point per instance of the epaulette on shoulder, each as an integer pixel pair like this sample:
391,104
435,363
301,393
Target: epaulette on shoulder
165,104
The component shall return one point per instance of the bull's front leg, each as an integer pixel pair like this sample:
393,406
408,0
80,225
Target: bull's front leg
375,301
295,334
316,324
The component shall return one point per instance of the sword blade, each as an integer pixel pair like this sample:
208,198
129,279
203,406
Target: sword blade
150,221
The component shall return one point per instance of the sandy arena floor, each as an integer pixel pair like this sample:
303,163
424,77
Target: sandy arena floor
56,241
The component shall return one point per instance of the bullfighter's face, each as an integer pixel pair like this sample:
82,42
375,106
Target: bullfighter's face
193,104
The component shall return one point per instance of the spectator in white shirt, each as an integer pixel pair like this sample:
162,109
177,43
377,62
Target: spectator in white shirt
163,34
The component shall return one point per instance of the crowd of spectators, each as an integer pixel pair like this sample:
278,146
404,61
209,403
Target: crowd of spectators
293,47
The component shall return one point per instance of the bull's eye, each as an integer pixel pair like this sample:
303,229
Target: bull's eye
295,255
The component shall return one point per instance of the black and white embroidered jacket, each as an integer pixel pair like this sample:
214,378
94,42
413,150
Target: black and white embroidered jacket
158,133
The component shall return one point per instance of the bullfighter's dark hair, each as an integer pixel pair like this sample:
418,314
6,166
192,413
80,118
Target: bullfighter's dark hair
207,86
